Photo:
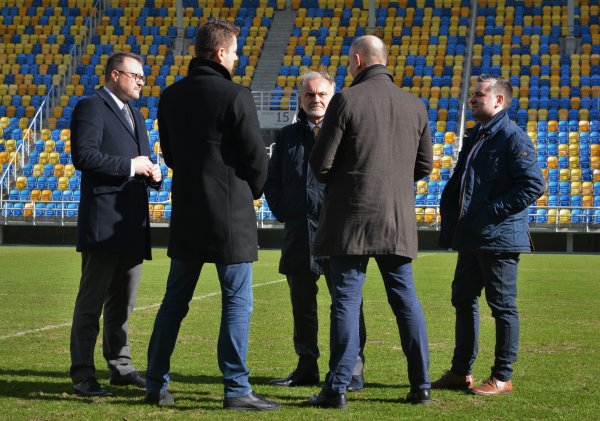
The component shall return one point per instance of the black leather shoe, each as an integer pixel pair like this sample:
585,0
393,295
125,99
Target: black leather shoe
422,396
297,378
90,387
329,400
162,398
133,379
251,402
357,383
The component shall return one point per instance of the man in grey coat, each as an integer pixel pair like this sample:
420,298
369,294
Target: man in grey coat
374,144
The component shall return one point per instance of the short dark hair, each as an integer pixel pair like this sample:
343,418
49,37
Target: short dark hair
214,34
499,85
116,59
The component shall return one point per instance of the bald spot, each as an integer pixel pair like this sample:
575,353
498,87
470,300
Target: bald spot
371,50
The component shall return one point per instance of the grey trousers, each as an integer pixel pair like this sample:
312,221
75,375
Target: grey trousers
108,283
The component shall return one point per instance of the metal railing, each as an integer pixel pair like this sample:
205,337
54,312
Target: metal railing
52,99
29,213
275,100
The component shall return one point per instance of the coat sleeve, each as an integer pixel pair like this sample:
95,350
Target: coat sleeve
86,135
424,161
329,139
253,157
529,183
274,184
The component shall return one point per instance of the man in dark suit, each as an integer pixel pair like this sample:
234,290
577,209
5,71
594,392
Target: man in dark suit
373,145
295,198
110,147
485,218
210,137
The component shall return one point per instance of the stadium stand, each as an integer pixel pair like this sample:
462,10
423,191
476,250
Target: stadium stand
52,53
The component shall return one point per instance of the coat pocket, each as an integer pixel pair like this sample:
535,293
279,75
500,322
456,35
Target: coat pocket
485,225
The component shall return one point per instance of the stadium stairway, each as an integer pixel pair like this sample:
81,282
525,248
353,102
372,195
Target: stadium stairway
274,49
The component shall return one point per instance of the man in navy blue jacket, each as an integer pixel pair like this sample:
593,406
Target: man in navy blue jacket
484,218
295,198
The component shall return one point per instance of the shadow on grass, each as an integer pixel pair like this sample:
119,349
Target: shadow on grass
39,385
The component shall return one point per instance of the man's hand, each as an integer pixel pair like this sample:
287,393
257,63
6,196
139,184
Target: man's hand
156,173
143,166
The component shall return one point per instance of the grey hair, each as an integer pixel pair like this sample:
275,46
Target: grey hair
311,74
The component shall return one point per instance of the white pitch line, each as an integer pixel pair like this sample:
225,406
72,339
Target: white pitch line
150,306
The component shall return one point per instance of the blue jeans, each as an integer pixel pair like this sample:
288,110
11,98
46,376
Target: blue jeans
497,273
232,347
348,276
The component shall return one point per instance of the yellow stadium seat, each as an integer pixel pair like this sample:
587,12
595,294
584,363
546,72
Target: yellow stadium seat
552,216
28,210
21,183
53,157
38,169
574,149
564,216
430,216
46,195
43,158
63,183
69,170
587,188
420,215
543,200
574,162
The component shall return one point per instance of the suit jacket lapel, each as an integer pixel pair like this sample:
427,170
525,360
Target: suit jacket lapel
119,113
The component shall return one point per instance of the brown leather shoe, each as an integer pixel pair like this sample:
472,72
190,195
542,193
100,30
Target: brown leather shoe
493,386
451,380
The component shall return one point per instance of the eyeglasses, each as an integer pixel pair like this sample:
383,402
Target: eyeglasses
135,76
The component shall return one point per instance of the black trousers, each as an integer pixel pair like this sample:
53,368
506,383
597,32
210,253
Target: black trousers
303,294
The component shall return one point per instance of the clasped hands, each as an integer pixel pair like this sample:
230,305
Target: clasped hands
145,167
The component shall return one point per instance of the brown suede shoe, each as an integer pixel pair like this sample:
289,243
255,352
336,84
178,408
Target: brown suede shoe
451,380
493,386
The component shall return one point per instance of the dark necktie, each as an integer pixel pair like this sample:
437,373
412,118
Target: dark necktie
315,131
128,116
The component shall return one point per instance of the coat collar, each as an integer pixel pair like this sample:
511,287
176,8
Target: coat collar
495,124
301,116
369,72
203,66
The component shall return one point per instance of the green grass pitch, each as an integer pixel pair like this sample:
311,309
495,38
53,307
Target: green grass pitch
556,376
